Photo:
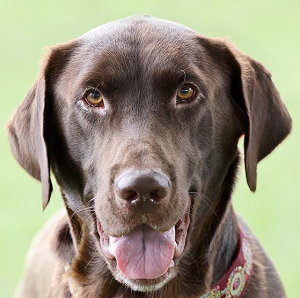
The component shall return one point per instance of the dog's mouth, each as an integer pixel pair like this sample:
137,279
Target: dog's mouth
144,253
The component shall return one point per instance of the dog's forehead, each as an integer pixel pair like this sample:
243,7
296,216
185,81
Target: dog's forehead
146,28
153,40
136,46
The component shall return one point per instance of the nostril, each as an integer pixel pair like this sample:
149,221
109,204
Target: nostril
157,194
129,195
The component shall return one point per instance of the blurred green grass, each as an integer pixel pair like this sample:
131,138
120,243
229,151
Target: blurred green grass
265,30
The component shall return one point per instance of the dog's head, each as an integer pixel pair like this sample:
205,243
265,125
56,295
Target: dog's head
139,121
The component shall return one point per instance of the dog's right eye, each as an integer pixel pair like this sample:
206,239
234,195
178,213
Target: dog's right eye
185,94
94,98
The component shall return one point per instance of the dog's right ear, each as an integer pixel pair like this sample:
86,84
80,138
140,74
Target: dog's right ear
27,128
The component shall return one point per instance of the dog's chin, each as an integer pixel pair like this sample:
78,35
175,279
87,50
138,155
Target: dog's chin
144,285
145,259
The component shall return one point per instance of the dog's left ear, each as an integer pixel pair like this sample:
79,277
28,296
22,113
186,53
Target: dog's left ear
28,129
267,121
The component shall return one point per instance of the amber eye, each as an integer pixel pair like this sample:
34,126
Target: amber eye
94,98
185,93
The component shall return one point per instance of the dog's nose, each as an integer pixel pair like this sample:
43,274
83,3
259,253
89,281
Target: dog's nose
144,189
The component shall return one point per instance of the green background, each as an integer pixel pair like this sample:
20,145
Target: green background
269,31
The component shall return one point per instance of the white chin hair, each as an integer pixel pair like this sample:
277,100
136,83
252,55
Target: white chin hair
143,288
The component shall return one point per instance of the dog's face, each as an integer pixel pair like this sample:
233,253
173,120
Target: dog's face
138,124
141,122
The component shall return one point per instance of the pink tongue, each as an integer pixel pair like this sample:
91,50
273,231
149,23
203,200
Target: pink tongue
144,253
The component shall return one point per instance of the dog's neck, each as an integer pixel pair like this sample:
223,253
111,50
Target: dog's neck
224,245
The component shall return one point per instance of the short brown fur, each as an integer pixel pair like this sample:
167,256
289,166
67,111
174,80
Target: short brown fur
136,64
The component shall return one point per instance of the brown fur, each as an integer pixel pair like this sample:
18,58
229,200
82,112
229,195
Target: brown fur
137,64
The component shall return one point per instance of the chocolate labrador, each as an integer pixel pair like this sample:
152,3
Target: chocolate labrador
139,121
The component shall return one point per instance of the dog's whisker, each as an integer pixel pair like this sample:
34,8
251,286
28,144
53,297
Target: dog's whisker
85,208
195,262
211,208
202,217
207,201
72,215
90,261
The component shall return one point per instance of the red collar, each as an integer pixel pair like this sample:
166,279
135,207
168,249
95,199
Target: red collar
234,282
236,279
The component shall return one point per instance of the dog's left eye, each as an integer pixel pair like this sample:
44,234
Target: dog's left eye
185,94
94,98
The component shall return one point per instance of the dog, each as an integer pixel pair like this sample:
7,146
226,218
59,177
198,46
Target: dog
139,121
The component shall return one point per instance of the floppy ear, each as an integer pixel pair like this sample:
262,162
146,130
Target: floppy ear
267,120
26,132
27,128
